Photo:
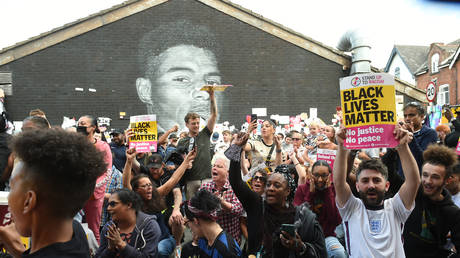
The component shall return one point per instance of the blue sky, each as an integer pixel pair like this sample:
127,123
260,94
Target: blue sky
389,22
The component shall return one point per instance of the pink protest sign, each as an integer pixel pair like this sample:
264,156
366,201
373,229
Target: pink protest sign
369,110
457,150
326,155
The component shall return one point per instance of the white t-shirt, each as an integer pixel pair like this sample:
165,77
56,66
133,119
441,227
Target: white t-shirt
456,199
374,233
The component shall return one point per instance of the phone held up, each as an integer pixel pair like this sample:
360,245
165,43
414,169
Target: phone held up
288,228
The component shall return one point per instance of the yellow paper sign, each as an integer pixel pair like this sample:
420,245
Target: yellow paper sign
369,105
369,110
145,133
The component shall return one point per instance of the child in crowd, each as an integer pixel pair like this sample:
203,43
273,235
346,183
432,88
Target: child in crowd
311,143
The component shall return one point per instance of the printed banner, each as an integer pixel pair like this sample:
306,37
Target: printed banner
369,110
145,133
326,155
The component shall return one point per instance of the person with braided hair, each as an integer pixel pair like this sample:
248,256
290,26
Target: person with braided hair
266,216
201,215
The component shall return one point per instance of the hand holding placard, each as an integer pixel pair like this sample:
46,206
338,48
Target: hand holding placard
131,154
341,135
402,135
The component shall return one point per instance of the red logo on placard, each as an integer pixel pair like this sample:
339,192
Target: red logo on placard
356,81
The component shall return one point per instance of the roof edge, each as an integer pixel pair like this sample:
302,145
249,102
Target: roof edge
390,59
73,29
131,7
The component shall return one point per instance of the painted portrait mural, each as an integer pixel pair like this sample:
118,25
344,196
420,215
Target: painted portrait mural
175,69
155,62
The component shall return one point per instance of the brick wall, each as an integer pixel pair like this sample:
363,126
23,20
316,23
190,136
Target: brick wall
266,71
444,76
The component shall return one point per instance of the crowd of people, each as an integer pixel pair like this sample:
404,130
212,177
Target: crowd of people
73,194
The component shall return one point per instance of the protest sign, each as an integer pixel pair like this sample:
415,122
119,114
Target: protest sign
326,155
369,110
457,150
144,128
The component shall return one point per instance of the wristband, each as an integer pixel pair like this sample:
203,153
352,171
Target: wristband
278,151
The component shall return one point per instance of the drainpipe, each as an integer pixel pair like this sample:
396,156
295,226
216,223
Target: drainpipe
356,42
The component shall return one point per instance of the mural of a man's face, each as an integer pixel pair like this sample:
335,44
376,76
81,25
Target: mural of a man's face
173,88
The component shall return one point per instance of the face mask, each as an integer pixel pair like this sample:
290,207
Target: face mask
82,130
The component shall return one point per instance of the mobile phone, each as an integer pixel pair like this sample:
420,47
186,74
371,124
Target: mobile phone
191,144
289,228
253,117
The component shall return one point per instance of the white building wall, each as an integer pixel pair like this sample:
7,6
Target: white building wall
404,72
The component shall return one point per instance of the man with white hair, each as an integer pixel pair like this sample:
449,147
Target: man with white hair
229,216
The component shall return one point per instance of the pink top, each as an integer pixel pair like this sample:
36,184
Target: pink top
101,182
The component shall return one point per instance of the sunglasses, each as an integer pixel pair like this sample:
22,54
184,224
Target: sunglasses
113,203
261,178
296,139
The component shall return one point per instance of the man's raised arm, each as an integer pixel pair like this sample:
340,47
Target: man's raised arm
409,188
164,189
213,118
342,189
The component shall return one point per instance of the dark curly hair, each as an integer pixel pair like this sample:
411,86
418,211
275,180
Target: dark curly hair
204,201
441,155
171,34
286,171
127,196
61,166
373,164
154,205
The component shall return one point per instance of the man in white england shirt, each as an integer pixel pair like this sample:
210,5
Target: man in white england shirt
373,226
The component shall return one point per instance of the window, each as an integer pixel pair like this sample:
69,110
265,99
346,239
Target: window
397,72
443,95
434,63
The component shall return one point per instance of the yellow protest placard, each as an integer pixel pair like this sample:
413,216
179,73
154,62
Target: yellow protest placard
369,110
145,134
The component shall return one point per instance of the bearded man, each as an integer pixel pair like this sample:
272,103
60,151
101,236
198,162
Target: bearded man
373,226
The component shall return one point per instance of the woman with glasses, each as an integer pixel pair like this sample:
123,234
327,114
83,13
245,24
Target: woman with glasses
320,195
130,233
301,234
154,204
